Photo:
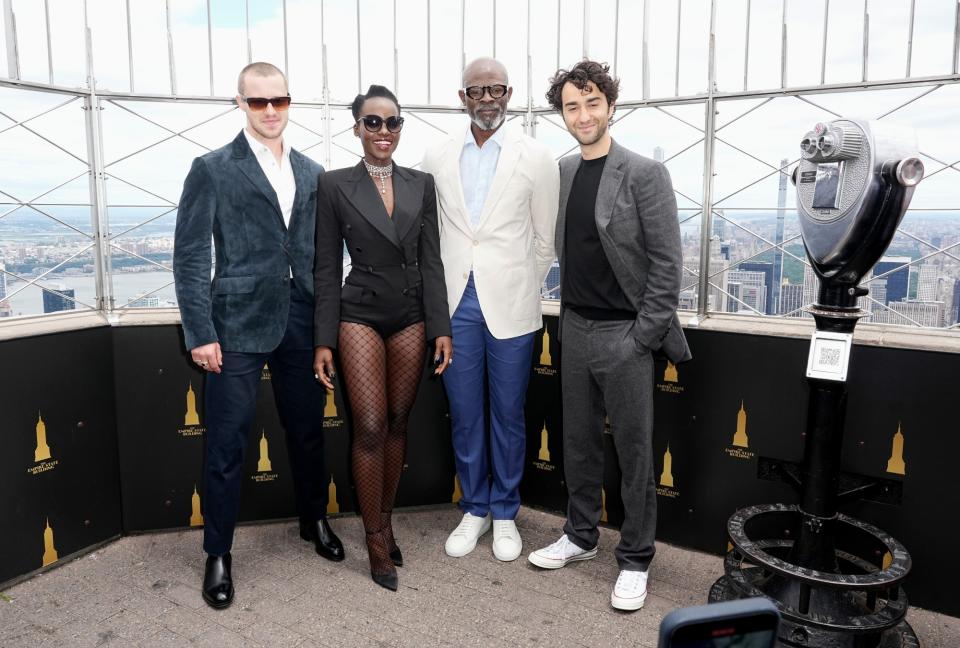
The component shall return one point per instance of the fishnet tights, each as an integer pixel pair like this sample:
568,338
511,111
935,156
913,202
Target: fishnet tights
381,379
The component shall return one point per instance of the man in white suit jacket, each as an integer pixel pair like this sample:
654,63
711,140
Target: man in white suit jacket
498,194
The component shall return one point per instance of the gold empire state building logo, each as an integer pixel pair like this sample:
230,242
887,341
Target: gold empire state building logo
457,493
545,365
896,464
740,436
665,487
666,477
333,506
331,416
671,380
49,550
42,461
670,373
196,517
264,465
191,417
42,451
739,448
545,359
544,454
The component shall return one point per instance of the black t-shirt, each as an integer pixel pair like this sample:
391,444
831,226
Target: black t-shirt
589,285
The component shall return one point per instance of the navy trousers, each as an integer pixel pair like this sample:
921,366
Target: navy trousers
500,370
231,398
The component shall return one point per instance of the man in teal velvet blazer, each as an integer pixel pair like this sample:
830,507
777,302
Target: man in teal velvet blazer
256,200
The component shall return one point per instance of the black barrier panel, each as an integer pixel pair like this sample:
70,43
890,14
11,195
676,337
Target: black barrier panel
161,426
60,487
742,401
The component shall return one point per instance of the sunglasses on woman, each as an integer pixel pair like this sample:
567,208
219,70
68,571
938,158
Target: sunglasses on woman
476,92
259,104
374,123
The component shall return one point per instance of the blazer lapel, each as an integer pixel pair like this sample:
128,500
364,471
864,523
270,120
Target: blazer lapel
509,155
407,199
567,172
250,167
609,186
451,169
305,182
363,196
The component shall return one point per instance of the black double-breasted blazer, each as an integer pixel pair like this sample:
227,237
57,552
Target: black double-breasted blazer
396,275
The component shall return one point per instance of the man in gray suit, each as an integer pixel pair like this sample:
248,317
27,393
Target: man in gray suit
256,198
618,241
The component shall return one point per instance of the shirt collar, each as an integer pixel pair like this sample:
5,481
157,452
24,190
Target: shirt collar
496,138
259,148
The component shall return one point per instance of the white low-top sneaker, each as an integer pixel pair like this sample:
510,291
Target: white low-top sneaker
507,544
464,538
560,553
630,591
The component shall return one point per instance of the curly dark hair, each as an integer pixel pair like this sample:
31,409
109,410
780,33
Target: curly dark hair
372,91
584,72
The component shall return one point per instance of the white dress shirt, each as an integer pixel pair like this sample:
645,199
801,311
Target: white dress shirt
279,175
478,165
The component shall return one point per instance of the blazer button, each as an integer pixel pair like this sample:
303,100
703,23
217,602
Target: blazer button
476,243
403,266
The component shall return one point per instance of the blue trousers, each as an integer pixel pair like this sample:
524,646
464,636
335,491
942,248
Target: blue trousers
494,443
230,402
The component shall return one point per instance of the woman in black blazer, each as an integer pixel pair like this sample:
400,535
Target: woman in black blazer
392,302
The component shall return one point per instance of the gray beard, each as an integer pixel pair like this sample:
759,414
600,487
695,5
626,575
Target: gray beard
492,123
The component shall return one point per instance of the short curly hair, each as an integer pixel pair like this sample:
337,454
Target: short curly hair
584,72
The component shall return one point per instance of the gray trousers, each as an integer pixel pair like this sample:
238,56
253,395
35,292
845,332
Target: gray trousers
605,371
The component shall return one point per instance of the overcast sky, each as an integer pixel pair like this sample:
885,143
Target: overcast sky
770,132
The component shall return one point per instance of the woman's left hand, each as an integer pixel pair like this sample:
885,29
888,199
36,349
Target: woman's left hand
443,354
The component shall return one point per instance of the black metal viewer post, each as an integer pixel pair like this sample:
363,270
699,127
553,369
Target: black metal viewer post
820,567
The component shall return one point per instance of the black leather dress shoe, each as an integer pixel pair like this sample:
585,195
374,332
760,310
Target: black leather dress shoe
324,539
217,582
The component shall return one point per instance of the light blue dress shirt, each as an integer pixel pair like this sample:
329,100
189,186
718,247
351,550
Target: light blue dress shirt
478,165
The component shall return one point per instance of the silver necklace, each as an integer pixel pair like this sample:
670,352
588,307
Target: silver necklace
381,172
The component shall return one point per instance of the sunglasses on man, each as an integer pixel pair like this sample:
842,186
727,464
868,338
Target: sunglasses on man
476,92
374,123
259,104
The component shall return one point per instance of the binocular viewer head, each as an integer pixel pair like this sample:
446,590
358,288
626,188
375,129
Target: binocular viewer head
854,183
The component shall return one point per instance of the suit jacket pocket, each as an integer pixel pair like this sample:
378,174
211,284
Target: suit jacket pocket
233,285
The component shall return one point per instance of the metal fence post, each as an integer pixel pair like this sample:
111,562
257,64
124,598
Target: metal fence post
706,218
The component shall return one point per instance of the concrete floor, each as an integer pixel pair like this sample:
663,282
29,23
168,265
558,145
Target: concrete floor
144,591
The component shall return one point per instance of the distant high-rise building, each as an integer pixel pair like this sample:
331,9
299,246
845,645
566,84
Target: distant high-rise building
768,270
658,154
927,282
3,280
791,299
913,311
811,287
53,302
551,285
747,287
151,301
719,225
955,305
777,280
898,279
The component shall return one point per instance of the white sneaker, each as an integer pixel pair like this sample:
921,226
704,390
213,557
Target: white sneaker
630,591
507,544
464,538
560,553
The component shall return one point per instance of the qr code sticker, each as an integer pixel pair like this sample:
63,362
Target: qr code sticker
829,357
